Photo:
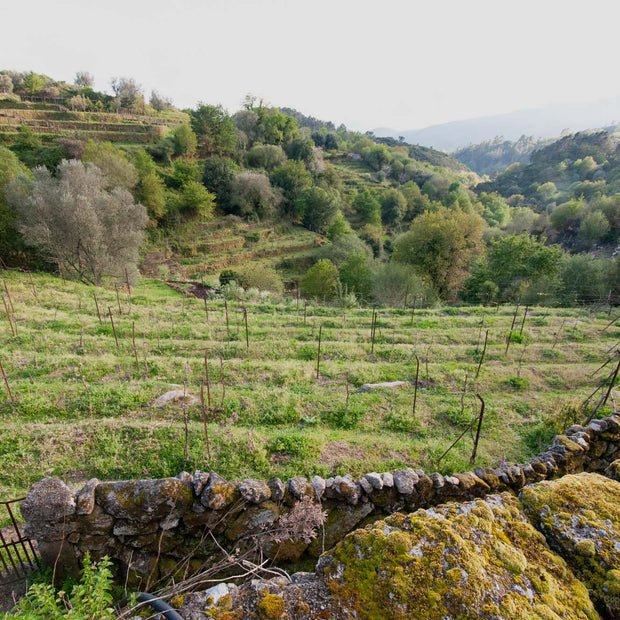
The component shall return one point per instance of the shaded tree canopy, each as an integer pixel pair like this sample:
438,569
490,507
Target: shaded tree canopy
251,194
219,173
318,207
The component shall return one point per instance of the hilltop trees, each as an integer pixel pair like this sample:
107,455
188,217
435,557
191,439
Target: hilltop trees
84,79
214,129
75,220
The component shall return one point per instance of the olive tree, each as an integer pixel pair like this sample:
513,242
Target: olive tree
75,220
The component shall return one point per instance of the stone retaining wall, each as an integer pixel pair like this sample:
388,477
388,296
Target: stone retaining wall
177,526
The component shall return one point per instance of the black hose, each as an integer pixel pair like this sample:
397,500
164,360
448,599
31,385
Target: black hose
156,603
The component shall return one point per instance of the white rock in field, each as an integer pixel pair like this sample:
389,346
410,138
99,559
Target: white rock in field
175,396
386,384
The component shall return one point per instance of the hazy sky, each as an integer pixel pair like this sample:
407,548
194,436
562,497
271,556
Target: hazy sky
395,63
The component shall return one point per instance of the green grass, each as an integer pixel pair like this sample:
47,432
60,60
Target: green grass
83,409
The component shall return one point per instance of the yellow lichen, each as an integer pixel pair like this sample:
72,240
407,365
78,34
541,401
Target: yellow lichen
461,563
271,607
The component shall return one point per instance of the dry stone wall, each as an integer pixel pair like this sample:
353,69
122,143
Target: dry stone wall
178,526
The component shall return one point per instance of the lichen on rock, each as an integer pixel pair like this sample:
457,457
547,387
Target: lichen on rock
580,518
480,559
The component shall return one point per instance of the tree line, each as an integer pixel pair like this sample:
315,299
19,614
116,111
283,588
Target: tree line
397,225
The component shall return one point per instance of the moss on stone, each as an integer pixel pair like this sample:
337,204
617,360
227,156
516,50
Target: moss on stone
580,517
480,559
271,607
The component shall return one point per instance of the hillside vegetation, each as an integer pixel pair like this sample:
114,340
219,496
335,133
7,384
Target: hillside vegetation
270,197
493,156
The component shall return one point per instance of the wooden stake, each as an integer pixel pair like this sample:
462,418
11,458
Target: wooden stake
468,428
557,334
34,290
373,327
6,382
113,328
413,308
118,300
227,323
472,459
8,315
318,352
128,286
484,350
247,338
133,344
415,389
6,288
509,337
207,378
609,389
204,419
523,321
97,306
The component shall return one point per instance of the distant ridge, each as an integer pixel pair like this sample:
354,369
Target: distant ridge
546,122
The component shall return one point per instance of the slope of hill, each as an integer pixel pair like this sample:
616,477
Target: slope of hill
543,122
52,120
574,164
493,156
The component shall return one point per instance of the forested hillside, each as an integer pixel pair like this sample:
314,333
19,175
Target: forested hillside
267,197
493,156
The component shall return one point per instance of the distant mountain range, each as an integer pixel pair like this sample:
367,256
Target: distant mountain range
546,122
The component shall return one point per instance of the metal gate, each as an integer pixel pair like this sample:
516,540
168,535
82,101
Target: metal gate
18,555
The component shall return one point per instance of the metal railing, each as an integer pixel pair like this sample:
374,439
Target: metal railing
18,555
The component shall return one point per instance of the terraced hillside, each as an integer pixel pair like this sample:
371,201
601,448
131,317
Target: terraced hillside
199,251
85,366
57,121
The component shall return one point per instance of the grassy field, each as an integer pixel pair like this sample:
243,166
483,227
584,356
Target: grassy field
83,405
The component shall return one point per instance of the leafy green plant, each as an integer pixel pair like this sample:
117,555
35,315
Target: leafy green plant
518,383
400,422
344,417
90,599
292,444
306,353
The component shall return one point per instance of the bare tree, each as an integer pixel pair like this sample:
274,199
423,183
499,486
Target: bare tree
75,221
160,103
84,79
6,84
127,91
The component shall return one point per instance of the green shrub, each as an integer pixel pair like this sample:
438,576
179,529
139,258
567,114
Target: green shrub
518,337
306,353
400,422
252,237
227,276
293,444
344,417
90,599
518,383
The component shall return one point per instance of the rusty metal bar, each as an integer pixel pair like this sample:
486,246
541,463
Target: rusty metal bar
21,539
15,563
